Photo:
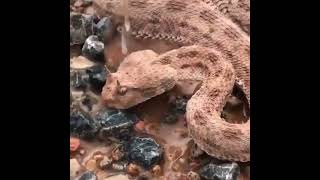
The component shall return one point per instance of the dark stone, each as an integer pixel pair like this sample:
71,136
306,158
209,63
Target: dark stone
171,117
145,152
88,102
227,171
82,126
94,77
116,123
81,27
78,80
93,49
178,107
104,29
181,104
97,77
89,175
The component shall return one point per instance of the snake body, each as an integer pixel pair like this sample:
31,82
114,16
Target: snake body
214,52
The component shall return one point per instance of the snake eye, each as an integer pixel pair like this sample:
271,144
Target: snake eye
122,91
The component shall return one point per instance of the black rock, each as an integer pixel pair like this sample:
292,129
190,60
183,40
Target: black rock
144,151
181,104
116,123
82,126
178,107
78,80
93,49
81,27
97,77
171,117
104,29
89,175
88,102
227,171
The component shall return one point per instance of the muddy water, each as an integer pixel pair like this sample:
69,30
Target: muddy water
173,137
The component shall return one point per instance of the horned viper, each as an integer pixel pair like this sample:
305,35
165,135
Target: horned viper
214,54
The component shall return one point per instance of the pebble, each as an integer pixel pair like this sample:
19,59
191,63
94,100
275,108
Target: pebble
227,171
91,165
171,117
81,27
120,166
80,62
105,162
116,123
133,169
181,104
193,175
78,80
82,126
98,157
88,102
74,144
156,170
74,168
82,151
89,175
144,152
104,29
117,154
93,49
97,77
139,126
177,108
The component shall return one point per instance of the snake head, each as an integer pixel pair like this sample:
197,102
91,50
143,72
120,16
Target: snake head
137,80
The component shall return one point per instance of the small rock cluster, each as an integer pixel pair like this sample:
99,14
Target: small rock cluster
177,108
81,27
82,126
93,78
84,31
107,123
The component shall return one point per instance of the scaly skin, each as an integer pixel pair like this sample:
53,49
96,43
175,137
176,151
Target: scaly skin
186,23
237,10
